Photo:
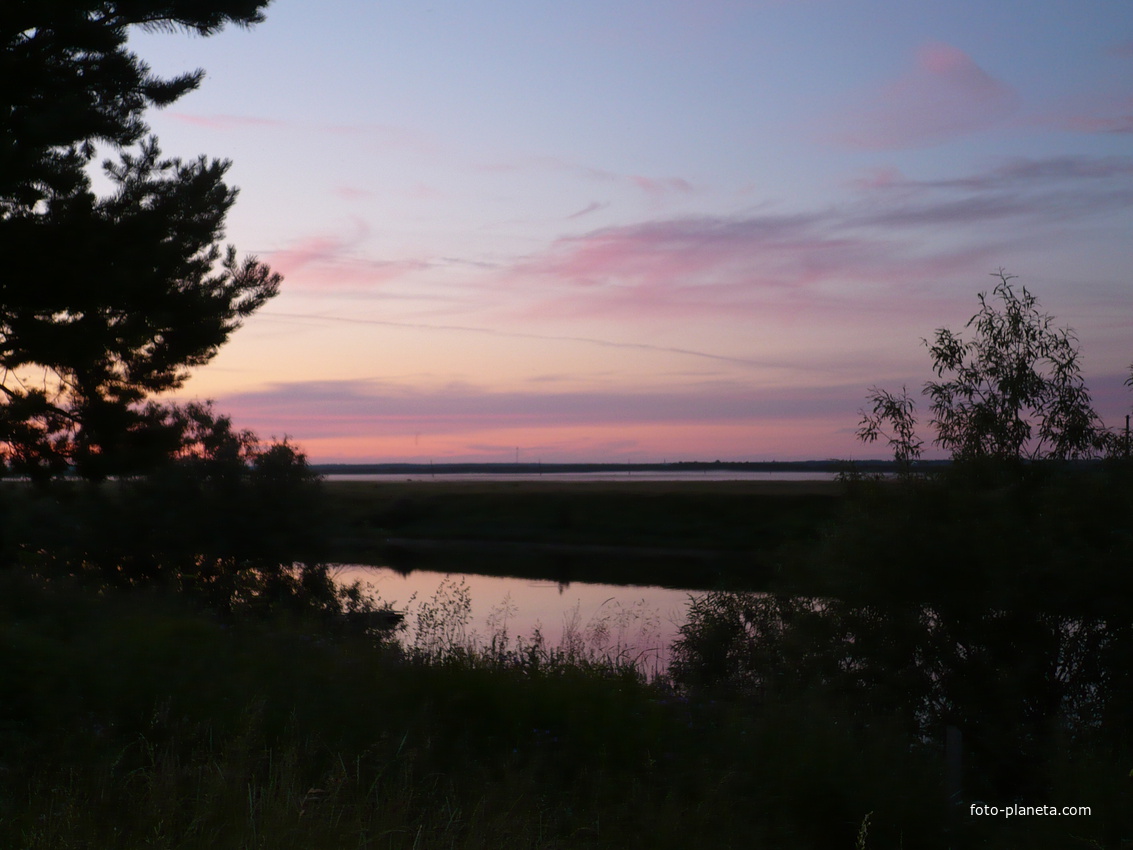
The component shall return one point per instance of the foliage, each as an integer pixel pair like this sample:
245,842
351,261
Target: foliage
940,603
900,412
127,722
105,301
67,81
128,719
441,622
1013,392
232,523
1012,681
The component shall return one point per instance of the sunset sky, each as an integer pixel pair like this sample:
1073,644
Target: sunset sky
600,231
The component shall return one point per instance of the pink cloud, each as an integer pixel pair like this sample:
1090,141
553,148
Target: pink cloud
352,193
887,236
944,95
360,420
720,267
885,177
424,192
339,408
331,260
659,189
358,273
385,136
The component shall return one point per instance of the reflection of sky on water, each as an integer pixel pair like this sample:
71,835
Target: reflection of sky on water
707,475
634,619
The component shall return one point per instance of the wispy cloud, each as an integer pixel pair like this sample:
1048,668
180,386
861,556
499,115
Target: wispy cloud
337,260
1113,115
1010,173
887,234
1018,190
655,189
761,363
943,95
353,193
385,136
593,206
659,190
320,409
225,122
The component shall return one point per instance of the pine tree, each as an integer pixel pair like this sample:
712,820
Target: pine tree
105,301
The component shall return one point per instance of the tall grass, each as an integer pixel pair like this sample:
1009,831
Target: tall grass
130,721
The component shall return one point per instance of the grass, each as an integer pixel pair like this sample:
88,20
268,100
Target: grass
130,719
131,722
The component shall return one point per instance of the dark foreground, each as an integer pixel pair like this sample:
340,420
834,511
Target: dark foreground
927,648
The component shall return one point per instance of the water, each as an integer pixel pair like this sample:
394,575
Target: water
722,475
628,621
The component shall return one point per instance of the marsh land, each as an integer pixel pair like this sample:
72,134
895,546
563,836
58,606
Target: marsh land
867,660
687,534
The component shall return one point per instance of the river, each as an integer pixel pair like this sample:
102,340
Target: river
707,475
609,620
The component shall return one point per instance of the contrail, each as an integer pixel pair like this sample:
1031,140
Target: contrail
642,346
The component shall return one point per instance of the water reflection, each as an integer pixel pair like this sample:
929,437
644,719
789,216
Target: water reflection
625,621
593,477
1022,703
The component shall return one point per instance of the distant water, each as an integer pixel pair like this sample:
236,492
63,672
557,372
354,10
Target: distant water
708,475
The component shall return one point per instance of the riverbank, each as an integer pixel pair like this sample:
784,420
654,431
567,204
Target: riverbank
128,720
701,534
954,639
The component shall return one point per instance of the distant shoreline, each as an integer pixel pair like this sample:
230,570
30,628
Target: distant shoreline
829,466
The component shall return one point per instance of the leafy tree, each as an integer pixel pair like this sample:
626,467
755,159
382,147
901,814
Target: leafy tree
899,411
1014,391
105,301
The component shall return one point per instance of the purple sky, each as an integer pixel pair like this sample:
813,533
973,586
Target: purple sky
662,230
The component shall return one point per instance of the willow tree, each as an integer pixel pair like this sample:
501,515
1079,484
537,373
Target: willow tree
105,300
1012,391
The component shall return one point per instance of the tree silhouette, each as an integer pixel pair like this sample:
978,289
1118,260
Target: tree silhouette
1014,391
105,301
899,411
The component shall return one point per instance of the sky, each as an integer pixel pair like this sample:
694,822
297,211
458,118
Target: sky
650,231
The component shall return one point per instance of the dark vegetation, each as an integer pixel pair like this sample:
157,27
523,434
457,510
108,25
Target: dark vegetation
178,670
106,301
143,714
680,534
